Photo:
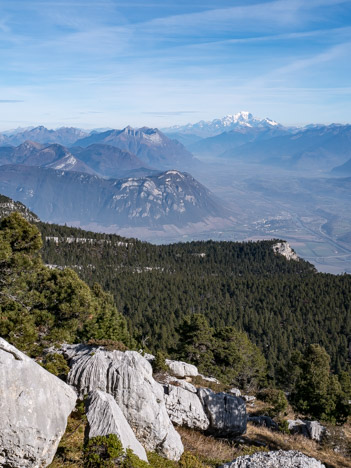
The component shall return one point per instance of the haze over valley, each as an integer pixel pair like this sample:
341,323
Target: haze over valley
235,178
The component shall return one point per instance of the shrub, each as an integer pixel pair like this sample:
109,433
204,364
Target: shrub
189,461
276,398
57,365
103,452
159,363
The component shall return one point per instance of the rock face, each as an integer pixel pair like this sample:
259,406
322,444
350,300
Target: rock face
106,417
226,413
280,459
34,407
283,248
182,369
184,408
127,376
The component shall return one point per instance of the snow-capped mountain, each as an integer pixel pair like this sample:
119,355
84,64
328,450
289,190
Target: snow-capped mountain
206,129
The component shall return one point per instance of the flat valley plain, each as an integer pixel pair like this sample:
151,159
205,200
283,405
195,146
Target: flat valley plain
311,211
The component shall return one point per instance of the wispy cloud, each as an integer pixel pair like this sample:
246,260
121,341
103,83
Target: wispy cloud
10,101
168,113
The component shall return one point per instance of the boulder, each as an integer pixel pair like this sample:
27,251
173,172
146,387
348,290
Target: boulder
184,408
263,421
297,426
105,417
279,459
34,407
182,369
311,429
209,379
248,398
235,391
127,376
226,413
315,430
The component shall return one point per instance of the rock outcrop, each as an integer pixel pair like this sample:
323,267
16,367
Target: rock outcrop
184,408
34,407
182,369
279,459
105,417
226,413
283,248
127,376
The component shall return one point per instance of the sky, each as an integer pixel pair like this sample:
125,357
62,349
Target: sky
108,63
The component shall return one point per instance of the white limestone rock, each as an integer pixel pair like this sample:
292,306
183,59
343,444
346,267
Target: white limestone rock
180,383
235,391
226,413
279,459
283,248
127,376
182,369
34,407
105,417
315,430
248,398
311,429
209,379
184,408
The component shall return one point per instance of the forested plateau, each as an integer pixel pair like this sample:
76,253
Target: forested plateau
282,305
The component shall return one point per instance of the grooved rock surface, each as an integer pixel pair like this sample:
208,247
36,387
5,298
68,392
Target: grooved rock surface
106,417
127,376
34,407
184,408
226,413
279,459
182,369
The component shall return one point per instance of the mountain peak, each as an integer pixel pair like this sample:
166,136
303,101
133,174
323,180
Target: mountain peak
229,122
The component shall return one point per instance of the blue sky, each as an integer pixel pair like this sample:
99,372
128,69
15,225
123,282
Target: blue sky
108,63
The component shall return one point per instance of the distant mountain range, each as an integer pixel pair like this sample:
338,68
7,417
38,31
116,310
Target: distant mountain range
311,148
64,136
205,129
103,160
139,152
171,197
150,145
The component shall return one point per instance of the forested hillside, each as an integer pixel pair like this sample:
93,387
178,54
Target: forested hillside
282,305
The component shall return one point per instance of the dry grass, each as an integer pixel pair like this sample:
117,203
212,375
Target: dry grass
277,440
210,449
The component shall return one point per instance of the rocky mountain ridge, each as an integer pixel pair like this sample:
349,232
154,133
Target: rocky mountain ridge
171,197
150,145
